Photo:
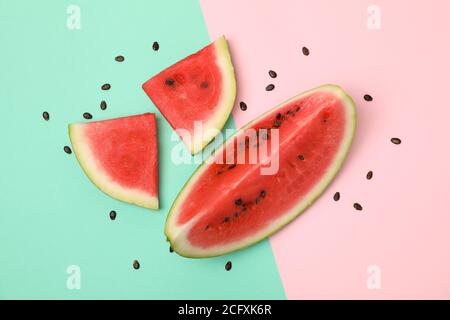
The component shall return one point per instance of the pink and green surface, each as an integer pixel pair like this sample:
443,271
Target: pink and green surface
52,218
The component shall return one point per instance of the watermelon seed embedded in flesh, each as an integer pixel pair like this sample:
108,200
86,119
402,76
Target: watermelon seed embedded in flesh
204,85
336,196
262,194
67,150
238,202
357,206
301,157
243,105
170,81
46,116
236,215
270,87
228,266
279,115
87,115
227,219
207,227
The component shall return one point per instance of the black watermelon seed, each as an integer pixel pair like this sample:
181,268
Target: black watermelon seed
368,97
136,264
228,266
270,87
336,196
67,150
297,109
119,58
103,105
369,175
278,116
357,206
305,51
301,157
207,227
232,166
204,85
155,46
236,214
113,215
396,141
258,200
276,123
106,86
243,105
262,194
170,249
170,81
46,116
238,202
227,219
272,74
87,115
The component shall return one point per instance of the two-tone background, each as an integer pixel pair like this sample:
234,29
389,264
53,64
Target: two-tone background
54,221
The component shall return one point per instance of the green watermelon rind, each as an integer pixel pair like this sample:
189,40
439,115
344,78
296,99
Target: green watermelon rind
297,210
228,96
100,178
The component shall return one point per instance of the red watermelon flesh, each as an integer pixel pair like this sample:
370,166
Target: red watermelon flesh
120,156
225,207
201,88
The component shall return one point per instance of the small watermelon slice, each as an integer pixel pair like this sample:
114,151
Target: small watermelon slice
120,156
200,88
231,205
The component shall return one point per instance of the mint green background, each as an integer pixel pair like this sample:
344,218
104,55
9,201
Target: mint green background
51,216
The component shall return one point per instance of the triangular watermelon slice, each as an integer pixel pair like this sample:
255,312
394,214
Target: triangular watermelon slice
227,206
120,156
200,88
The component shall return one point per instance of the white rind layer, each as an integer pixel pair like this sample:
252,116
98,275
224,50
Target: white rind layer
177,235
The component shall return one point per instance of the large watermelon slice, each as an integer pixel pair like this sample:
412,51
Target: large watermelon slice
200,89
226,207
120,156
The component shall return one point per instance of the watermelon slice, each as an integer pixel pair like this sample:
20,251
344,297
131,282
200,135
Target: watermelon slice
198,89
120,156
229,206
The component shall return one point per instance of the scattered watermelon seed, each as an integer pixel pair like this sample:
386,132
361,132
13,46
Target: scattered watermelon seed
67,150
87,115
305,51
396,141
238,202
270,87
258,200
278,116
243,105
272,74
262,194
228,266
155,46
119,58
204,85
236,214
106,86
170,81
368,97
357,206
336,196
103,105
207,227
301,157
369,175
136,264
46,116
113,215
227,219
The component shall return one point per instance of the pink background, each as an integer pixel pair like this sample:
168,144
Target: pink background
405,225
